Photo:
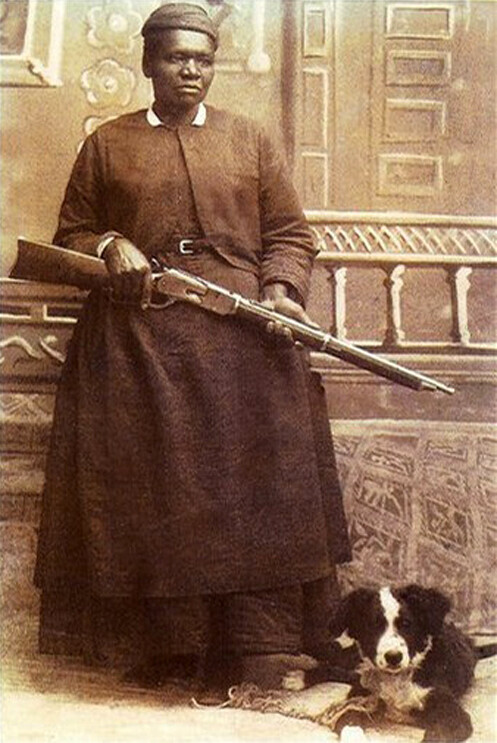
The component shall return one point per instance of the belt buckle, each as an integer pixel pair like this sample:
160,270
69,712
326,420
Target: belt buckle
183,247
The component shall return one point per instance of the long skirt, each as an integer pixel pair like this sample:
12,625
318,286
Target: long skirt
190,456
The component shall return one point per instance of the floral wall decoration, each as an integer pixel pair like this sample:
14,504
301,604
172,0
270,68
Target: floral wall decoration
108,84
115,25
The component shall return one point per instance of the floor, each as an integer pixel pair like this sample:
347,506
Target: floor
57,700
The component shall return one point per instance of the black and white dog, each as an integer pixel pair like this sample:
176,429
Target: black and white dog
411,665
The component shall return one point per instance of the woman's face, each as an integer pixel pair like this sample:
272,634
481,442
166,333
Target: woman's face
181,67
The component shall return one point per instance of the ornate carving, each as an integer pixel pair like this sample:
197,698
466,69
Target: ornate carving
107,83
46,343
361,237
447,523
32,408
17,341
114,24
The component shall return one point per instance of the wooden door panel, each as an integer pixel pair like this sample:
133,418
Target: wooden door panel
394,104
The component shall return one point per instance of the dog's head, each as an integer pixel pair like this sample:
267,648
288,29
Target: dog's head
393,628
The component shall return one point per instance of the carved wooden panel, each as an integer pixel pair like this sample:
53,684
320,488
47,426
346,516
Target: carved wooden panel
420,500
315,108
316,30
313,101
409,175
417,67
380,233
420,21
406,93
314,166
414,120
421,82
36,324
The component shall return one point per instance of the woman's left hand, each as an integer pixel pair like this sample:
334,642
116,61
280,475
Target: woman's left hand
275,297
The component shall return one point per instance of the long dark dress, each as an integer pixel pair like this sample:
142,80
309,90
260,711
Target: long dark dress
190,453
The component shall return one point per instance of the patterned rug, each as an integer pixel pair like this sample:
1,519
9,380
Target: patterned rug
420,498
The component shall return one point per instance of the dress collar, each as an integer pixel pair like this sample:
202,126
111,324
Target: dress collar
199,119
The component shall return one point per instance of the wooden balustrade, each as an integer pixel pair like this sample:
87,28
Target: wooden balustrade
458,270
398,244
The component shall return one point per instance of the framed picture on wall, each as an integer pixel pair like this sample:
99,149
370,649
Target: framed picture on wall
31,42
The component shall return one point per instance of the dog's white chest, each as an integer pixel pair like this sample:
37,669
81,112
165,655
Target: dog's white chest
398,691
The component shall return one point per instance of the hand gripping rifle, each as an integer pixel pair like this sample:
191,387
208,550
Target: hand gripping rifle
50,264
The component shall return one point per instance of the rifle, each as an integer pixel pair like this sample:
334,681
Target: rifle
50,264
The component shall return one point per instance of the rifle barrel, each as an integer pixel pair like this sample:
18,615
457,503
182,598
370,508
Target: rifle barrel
318,340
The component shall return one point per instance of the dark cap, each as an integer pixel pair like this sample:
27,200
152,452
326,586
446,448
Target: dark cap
181,16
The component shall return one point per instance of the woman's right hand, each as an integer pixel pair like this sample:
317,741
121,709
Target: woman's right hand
130,272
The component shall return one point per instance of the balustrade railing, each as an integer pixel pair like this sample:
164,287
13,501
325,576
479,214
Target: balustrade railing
458,271
398,245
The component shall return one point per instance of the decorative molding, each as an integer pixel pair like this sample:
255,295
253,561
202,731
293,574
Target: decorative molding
315,173
402,174
414,120
36,324
457,270
420,21
18,342
316,29
338,279
370,237
391,217
418,67
31,34
27,348
313,128
114,24
24,408
108,83
315,104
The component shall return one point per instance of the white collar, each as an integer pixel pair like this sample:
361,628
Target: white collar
199,119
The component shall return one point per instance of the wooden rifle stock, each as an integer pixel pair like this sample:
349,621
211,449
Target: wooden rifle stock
39,261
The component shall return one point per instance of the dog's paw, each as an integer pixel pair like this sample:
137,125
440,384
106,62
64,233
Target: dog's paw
294,680
353,734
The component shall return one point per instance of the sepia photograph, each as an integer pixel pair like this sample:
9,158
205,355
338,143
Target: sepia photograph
248,373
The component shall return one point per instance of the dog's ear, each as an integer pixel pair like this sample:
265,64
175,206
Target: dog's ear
428,605
350,612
